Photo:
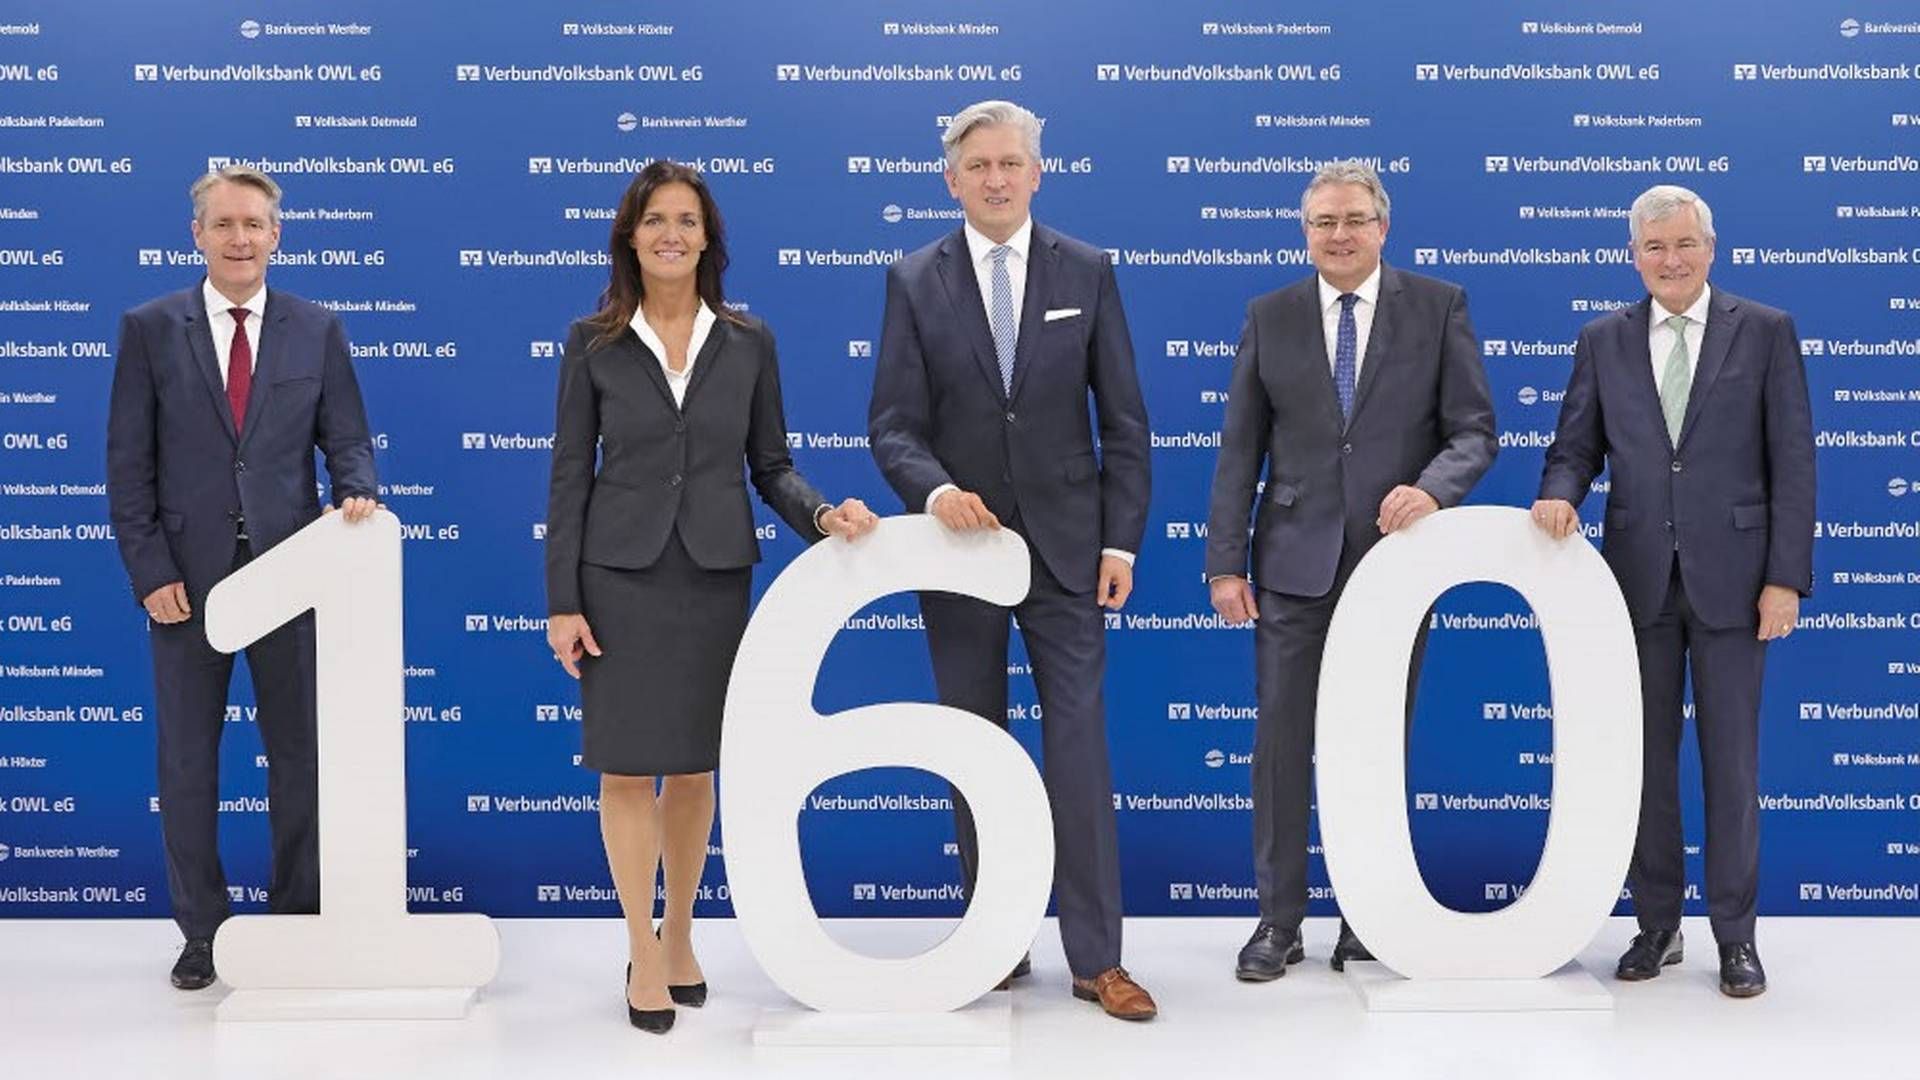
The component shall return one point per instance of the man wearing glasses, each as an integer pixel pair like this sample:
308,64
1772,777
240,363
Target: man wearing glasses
1362,393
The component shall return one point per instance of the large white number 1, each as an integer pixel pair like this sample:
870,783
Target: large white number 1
775,750
1360,747
363,938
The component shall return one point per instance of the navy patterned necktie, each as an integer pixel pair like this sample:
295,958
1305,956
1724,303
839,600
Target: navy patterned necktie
1345,354
1005,329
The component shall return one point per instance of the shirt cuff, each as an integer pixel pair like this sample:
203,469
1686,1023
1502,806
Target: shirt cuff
934,495
1123,556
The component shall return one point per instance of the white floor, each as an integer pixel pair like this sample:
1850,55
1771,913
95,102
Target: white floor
85,999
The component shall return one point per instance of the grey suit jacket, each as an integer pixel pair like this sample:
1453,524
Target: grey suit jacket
1421,416
1733,502
663,467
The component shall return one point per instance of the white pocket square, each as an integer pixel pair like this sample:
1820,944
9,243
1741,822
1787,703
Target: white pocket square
1062,313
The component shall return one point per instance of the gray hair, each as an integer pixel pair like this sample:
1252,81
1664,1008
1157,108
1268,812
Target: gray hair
983,113
1349,171
245,175
1661,202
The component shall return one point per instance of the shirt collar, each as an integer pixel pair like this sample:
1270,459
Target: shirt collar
703,320
1697,312
978,246
1368,292
220,305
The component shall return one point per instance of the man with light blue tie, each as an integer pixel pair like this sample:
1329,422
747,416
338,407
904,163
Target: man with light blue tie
996,338
1361,393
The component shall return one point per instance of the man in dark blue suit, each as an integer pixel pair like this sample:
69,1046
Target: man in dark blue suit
220,395
995,336
1696,400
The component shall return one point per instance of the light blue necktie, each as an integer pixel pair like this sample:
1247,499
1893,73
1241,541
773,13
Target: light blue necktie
1676,382
1345,354
1006,329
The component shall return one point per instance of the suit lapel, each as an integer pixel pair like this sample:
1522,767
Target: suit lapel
711,350
1386,312
268,346
1314,340
649,364
1723,323
200,343
1041,256
963,291
1638,351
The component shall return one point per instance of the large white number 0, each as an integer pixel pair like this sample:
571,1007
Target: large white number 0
1360,747
775,750
363,938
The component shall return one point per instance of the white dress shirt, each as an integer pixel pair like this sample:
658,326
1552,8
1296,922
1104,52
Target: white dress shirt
1369,294
1660,335
676,380
222,324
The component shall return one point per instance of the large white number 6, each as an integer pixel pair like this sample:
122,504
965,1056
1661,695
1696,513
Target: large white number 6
363,938
775,750
1360,747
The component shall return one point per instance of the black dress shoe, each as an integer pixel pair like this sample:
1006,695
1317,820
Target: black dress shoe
1020,971
692,995
194,969
1741,975
1267,953
1349,947
653,1021
1651,950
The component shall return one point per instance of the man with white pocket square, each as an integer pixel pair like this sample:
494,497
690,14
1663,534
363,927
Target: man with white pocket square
994,337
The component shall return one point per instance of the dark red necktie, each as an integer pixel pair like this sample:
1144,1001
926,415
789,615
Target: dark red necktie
239,368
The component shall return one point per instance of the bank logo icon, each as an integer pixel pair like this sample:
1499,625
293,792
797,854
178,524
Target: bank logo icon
538,165
1426,256
541,350
789,256
1426,800
1493,710
1179,164
1529,757
1179,710
151,257
859,164
1849,28
1215,759
1113,623
1813,347
1896,848
1746,72
1813,163
146,73
1209,213
1582,120
1811,710
1809,890
546,714
477,804
1179,530
1494,347
859,350
1106,72
892,214
1528,396
1581,305
1526,213
1896,303
237,893
795,440
1496,890
1113,256
1898,486
1843,211
1180,349
786,72
4,852
233,714
1426,72
864,891
476,624
1179,890
1743,256
473,440
1497,163
1842,758
215,164
466,72
250,29
626,121
471,257
1527,28
547,894
890,29
539,530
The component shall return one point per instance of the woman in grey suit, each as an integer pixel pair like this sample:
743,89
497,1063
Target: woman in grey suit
649,559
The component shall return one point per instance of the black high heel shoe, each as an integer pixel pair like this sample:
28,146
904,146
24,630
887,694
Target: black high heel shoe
692,995
653,1021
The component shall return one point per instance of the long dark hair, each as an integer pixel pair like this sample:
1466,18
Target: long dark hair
624,288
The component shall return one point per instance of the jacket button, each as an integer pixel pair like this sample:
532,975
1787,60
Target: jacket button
679,425
674,480
1346,448
1676,466
239,466
1009,418
1668,525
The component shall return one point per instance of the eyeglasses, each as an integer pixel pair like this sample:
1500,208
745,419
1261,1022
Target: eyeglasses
1353,222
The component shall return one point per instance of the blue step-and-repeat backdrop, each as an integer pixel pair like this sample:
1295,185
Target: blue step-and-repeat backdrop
450,171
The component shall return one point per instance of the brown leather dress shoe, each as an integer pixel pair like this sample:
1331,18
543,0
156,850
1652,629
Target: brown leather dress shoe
1117,993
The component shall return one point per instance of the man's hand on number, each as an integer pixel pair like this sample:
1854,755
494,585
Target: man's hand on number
357,508
168,604
963,511
1556,517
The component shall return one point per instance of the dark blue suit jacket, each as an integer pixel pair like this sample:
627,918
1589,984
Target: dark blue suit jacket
939,414
1421,415
1734,500
179,476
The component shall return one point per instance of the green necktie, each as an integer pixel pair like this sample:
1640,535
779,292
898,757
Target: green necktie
1677,381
